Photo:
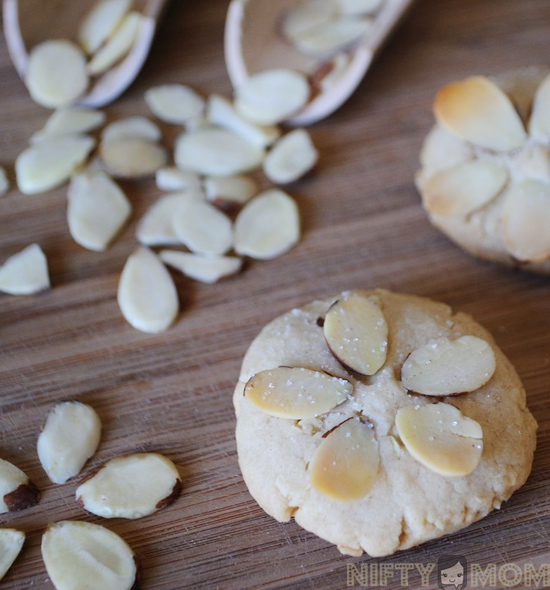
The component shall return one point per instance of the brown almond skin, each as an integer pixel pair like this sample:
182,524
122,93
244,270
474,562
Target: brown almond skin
176,491
226,205
25,496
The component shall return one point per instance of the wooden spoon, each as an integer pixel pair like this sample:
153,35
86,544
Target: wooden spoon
30,22
253,43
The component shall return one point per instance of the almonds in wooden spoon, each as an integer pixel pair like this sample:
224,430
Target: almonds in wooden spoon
132,486
291,157
101,22
11,543
345,465
306,15
358,7
327,39
76,551
17,492
174,103
296,393
69,438
441,438
449,367
25,273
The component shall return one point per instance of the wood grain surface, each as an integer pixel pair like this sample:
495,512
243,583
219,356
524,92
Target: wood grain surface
363,227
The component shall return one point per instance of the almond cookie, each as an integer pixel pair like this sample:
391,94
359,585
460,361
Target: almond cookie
380,421
485,167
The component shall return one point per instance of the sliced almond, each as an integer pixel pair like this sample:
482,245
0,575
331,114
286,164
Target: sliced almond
206,269
332,37
131,127
203,228
271,96
70,436
296,393
17,492
97,210
174,179
291,157
345,465
449,367
56,73
531,162
70,121
25,273
132,486
230,193
118,46
220,112
76,551
216,152
442,149
308,14
174,103
357,7
357,333
539,124
441,438
268,226
132,157
465,188
4,182
100,23
11,543
525,221
50,163
330,73
156,227
478,111
147,295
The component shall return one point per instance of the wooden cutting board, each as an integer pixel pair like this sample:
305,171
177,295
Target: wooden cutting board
363,227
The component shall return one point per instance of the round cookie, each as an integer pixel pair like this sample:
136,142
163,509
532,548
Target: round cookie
485,167
406,501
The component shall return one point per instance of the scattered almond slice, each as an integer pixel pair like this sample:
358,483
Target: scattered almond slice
76,551
11,543
70,121
331,37
525,221
117,46
70,436
56,73
296,393
17,492
206,269
465,188
132,157
97,210
131,127
174,179
306,15
345,464
216,152
4,182
478,111
203,228
174,103
441,438
230,193
132,486
100,23
221,112
291,157
357,7
357,333
444,367
50,163
271,96
268,226
539,123
156,227
442,149
25,273
147,295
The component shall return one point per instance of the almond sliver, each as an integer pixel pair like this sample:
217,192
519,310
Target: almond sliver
132,157
291,157
174,103
17,492
131,127
11,543
357,7
147,295
296,393
174,179
449,367
332,37
308,14
525,221
442,149
478,111
70,121
100,23
25,273
345,465
465,188
206,269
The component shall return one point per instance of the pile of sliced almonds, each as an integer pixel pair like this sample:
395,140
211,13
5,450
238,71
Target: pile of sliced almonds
486,154
437,435
59,71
